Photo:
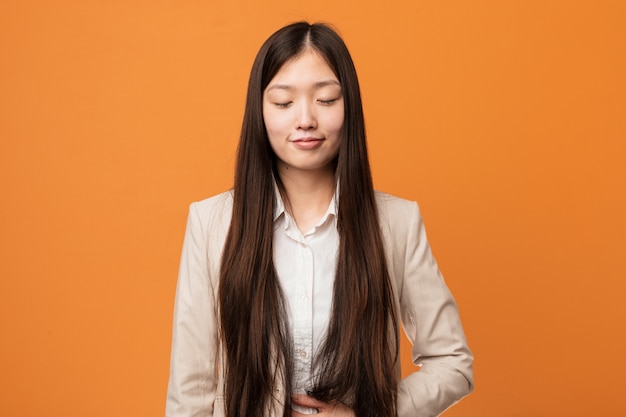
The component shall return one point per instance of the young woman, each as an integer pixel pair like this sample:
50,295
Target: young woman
293,285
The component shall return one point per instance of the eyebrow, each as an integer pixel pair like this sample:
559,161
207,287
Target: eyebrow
318,84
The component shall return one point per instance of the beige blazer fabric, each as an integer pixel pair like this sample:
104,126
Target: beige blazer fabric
428,311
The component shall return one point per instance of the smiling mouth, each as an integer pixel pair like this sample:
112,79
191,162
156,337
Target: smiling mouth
307,140
307,143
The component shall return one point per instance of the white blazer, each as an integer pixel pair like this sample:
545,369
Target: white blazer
427,309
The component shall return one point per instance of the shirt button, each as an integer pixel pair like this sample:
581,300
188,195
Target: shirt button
303,353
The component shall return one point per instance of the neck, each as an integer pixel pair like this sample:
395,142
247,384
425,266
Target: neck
308,194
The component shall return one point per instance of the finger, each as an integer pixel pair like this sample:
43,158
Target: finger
306,401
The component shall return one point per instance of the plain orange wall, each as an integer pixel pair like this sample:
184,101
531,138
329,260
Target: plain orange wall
504,119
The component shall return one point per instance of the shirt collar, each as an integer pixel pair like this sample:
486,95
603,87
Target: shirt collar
279,206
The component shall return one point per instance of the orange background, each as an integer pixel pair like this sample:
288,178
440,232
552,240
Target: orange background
504,119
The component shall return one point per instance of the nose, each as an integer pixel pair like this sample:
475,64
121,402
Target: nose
306,117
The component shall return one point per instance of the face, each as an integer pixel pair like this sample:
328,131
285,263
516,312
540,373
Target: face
303,113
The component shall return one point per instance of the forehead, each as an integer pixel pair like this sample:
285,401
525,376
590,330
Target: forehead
310,67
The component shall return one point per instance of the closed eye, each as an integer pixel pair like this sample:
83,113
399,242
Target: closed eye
283,105
327,102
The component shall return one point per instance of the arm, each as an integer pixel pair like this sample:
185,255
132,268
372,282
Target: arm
431,320
192,382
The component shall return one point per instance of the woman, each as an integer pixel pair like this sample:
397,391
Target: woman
292,286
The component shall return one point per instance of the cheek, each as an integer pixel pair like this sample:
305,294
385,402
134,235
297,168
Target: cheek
335,123
267,119
275,123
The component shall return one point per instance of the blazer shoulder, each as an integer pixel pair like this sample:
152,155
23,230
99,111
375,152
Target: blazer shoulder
391,206
399,220
214,212
216,202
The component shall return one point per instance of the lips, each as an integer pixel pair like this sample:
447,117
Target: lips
306,139
307,143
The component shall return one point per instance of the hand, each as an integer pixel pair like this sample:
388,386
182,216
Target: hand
332,409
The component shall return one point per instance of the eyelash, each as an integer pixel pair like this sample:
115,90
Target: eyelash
322,102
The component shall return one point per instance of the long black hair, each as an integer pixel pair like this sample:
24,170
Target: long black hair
357,360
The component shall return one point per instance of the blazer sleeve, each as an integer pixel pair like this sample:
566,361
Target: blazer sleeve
192,381
431,320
